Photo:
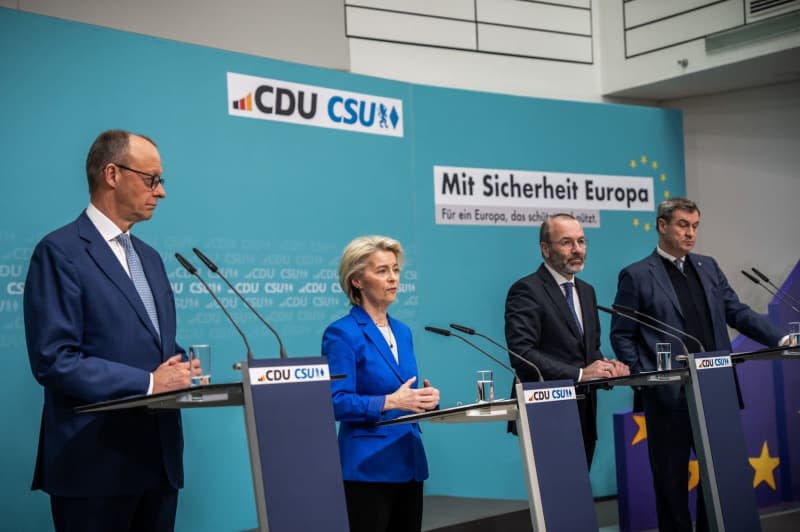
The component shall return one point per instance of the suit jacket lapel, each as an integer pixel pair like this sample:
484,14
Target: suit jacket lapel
102,255
659,273
375,337
554,292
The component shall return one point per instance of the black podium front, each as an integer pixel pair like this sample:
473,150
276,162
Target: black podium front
291,435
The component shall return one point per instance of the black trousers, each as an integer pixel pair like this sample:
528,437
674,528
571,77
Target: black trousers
669,442
384,506
149,511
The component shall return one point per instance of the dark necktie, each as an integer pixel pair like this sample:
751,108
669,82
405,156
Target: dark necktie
139,279
571,305
679,265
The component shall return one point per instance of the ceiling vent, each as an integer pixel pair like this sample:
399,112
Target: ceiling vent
763,9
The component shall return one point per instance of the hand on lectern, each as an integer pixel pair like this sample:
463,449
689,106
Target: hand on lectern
172,375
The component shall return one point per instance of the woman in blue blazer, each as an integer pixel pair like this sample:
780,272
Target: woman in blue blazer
383,467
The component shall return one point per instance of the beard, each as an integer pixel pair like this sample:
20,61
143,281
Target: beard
563,266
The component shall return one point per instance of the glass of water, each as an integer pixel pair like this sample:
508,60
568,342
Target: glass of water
201,352
663,356
794,333
485,384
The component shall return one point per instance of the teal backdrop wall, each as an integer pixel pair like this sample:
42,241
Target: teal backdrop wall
274,203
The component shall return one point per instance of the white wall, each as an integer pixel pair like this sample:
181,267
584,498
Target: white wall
743,169
303,31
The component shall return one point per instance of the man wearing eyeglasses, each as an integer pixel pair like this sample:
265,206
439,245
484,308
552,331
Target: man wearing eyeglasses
100,325
551,319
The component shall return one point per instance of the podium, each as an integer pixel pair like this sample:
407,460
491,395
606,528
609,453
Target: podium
291,434
718,436
551,444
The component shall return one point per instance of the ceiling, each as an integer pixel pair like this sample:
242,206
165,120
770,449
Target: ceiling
779,67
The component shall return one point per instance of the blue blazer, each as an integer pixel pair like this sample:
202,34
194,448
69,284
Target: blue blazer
645,286
356,348
89,339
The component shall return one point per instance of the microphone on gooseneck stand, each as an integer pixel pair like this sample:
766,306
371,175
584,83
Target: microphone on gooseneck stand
470,331
616,311
627,311
445,332
779,290
777,295
213,267
192,270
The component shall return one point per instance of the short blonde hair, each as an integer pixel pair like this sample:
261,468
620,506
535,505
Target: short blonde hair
355,257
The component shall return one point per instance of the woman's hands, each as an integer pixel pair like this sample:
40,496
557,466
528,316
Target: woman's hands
413,399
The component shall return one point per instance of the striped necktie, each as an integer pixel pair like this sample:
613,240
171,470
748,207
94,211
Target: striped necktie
139,279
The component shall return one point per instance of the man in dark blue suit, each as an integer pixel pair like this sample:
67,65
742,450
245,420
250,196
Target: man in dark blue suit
690,292
551,319
100,325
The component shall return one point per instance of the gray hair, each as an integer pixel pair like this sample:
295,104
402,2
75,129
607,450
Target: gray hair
669,206
355,257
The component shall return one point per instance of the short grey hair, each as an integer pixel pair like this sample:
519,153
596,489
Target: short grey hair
669,206
355,257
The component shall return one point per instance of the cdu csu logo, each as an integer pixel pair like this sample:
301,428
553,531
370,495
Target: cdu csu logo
282,374
550,394
713,362
284,101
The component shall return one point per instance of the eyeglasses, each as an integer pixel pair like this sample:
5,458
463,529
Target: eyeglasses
150,180
568,243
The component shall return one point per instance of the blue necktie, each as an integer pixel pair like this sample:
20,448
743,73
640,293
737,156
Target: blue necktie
139,280
571,305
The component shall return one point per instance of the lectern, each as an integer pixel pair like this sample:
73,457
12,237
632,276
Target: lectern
556,473
718,437
297,476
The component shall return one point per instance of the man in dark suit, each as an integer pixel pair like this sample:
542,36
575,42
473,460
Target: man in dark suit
690,292
100,324
551,320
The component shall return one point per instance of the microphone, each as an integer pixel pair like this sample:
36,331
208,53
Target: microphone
777,295
213,267
623,309
445,332
468,330
614,312
192,270
784,292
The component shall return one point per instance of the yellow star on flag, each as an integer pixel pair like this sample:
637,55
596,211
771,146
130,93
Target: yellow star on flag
662,177
646,227
636,222
764,466
654,165
643,158
694,474
633,163
666,194
641,434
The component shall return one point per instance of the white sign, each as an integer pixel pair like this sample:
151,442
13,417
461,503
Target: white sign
546,395
282,374
310,105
